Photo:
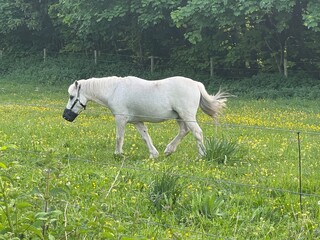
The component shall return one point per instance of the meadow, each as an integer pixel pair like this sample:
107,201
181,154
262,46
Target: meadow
60,180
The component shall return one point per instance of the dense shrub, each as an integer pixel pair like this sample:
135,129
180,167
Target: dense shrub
274,86
67,68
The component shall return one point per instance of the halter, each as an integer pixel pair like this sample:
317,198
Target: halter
78,100
81,104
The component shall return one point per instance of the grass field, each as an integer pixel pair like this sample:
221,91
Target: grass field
60,180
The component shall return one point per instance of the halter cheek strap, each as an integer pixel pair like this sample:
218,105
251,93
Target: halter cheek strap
78,100
81,104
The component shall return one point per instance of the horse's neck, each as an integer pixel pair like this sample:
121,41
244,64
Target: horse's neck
98,90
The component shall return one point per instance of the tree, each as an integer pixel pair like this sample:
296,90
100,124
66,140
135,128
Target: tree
25,23
311,15
255,31
126,26
245,36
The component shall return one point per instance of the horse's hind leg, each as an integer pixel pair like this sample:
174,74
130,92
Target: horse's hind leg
197,133
172,146
142,129
121,122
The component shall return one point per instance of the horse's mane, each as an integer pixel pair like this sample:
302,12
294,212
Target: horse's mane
93,86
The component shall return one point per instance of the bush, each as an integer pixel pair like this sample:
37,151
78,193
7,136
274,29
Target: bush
272,86
67,68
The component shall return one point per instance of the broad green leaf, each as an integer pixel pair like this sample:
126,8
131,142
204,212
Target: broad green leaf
2,165
21,205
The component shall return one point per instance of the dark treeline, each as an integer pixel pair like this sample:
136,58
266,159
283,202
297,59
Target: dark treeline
267,35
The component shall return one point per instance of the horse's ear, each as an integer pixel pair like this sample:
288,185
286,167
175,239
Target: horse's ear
76,84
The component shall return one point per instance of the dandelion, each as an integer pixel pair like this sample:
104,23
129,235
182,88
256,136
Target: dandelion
169,233
133,199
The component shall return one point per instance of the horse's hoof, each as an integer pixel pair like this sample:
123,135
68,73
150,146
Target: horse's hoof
167,153
119,156
153,156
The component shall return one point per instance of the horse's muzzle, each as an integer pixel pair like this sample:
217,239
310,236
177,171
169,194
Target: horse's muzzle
69,115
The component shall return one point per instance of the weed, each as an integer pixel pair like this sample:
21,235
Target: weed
165,191
207,205
220,150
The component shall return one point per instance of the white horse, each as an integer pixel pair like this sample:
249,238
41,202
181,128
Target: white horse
134,100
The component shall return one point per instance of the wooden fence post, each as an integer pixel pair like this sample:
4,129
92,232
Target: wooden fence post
95,56
211,67
44,54
152,64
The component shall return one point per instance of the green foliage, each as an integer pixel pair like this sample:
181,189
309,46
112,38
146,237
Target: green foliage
25,25
64,69
18,217
312,15
237,34
298,85
67,68
165,191
221,150
207,205
15,15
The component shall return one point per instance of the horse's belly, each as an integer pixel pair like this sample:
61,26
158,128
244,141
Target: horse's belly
152,115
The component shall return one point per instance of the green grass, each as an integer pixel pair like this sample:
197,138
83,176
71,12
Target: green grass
61,180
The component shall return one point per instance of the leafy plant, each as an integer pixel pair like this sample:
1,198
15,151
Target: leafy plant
20,218
207,205
220,150
17,220
165,191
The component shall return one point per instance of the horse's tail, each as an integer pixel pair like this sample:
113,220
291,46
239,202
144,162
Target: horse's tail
212,104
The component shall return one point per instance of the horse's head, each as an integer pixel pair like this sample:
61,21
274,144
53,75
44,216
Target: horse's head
77,102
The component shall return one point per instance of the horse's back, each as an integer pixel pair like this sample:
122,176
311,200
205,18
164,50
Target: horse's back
171,89
169,86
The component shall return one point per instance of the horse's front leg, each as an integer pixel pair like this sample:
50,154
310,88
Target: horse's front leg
121,122
142,129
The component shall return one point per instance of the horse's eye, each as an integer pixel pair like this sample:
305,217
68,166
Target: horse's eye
71,97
